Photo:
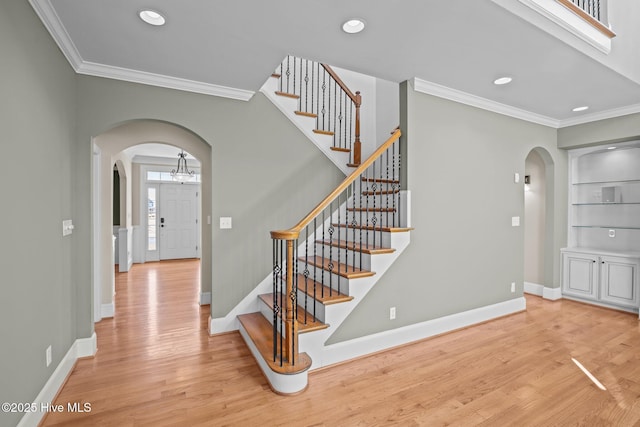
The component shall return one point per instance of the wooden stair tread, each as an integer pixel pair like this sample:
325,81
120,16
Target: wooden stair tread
306,114
275,75
383,180
261,333
323,132
339,268
353,165
287,95
371,209
380,192
324,294
377,228
341,149
358,247
312,324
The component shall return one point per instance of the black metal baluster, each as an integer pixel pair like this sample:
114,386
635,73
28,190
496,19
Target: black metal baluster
399,181
324,88
335,92
330,250
353,224
276,279
279,299
323,244
294,302
315,237
306,272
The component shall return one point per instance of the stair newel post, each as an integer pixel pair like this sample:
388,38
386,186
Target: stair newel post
357,145
290,350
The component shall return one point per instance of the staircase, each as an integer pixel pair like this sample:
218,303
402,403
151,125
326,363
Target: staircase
325,265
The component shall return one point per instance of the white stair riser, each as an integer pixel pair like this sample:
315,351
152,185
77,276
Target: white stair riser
332,280
366,236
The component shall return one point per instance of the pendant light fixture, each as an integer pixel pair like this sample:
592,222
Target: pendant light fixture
182,174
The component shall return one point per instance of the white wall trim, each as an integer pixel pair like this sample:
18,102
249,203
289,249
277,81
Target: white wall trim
107,310
602,115
533,288
358,347
52,22
82,347
152,79
552,293
205,298
440,91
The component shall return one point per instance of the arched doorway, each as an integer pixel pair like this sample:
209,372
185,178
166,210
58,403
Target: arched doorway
107,147
539,223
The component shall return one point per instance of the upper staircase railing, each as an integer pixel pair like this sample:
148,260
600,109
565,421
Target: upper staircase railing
325,97
350,221
592,11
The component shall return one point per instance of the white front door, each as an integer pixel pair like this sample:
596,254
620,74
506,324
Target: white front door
178,221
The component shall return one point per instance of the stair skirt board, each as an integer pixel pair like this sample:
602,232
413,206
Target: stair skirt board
305,124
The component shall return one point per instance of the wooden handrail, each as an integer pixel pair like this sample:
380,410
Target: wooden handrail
356,98
294,232
590,19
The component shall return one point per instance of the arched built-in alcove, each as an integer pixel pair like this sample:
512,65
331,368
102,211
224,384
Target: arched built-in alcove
109,147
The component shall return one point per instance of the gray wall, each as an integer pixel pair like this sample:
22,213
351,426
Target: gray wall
464,253
37,122
617,129
266,174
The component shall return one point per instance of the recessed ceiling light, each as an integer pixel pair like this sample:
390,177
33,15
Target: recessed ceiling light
502,81
611,148
584,107
353,26
152,17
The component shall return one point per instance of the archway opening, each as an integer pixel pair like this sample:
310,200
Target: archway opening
538,221
111,147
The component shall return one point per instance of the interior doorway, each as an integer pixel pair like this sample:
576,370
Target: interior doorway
538,222
109,148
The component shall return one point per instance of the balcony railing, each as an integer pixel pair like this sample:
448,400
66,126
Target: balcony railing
593,8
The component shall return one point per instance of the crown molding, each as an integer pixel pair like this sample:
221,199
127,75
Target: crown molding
602,115
53,24
440,91
152,79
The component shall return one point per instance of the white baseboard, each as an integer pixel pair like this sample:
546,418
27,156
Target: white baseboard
552,293
358,347
107,310
205,298
533,288
82,347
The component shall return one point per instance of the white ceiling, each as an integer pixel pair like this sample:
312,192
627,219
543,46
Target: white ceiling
459,44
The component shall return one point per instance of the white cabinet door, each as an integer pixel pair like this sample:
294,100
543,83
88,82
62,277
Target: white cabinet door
619,281
580,275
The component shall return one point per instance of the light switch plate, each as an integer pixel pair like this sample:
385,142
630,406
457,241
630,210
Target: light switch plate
225,222
515,221
516,177
67,227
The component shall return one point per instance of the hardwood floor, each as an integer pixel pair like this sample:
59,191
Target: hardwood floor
156,365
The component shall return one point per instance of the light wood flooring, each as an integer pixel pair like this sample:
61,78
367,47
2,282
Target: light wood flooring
156,365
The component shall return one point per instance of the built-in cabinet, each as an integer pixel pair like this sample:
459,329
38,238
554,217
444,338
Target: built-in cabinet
608,278
602,261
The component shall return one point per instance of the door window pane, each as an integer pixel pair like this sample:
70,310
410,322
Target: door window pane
151,219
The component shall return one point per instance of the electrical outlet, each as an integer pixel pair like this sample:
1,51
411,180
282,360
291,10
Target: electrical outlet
48,355
513,286
392,313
